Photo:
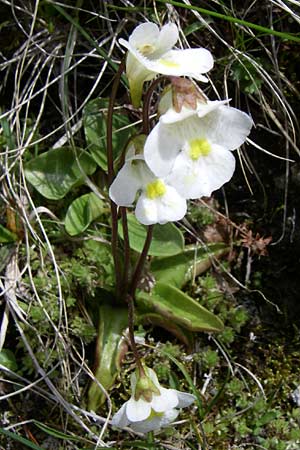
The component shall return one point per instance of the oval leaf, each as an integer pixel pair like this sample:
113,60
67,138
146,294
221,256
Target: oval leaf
194,260
82,212
177,306
55,172
110,348
94,122
167,239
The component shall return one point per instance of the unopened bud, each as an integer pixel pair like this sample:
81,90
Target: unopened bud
145,387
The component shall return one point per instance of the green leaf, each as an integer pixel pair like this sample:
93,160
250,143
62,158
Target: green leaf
7,359
56,433
167,239
18,438
6,235
82,212
109,351
55,172
179,269
177,306
159,321
94,122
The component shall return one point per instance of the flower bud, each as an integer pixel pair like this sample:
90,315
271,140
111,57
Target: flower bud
145,387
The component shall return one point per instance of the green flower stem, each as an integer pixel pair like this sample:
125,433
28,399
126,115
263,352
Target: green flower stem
111,174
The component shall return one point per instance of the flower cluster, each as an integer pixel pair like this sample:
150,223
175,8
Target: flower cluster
188,154
151,406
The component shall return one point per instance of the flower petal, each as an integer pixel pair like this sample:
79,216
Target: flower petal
147,425
144,34
136,71
167,208
205,108
185,399
191,62
120,418
195,179
133,51
168,37
227,126
149,39
171,116
155,422
168,417
172,206
125,186
137,410
167,399
146,211
161,148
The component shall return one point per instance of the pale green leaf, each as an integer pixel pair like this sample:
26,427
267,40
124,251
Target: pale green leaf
167,239
82,212
177,306
179,269
55,172
109,351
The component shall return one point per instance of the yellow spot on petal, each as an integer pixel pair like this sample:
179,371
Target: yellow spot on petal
146,49
154,414
155,189
199,147
170,64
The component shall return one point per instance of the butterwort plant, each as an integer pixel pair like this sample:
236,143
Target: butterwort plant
187,155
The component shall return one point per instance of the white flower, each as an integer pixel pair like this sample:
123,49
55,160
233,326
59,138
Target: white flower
151,406
158,202
150,53
191,148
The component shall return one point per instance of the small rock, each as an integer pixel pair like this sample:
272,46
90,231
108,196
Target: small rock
296,396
